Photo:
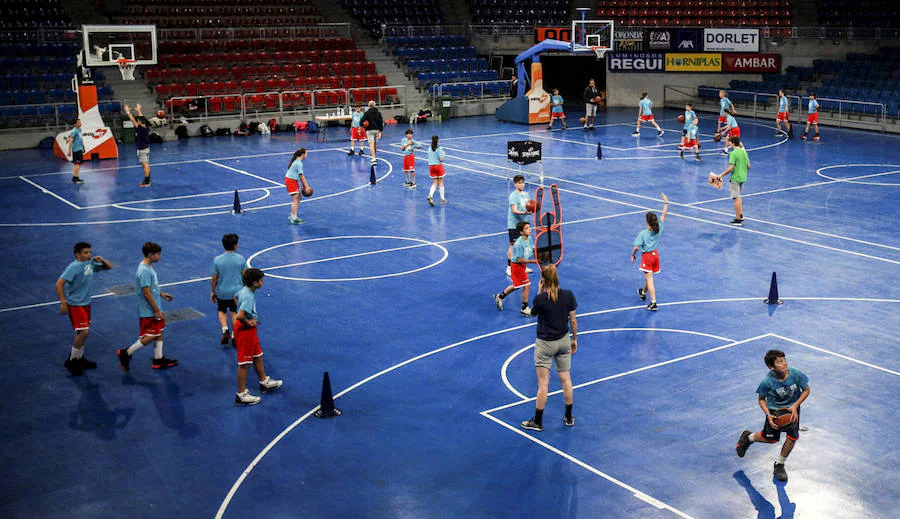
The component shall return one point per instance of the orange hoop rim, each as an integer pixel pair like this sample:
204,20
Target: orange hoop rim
125,61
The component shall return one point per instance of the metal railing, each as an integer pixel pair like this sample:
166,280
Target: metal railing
321,30
46,115
832,112
285,102
471,89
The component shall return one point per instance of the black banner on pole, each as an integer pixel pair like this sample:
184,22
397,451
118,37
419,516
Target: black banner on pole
523,152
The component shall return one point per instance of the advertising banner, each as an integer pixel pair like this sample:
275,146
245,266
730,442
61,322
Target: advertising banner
687,40
635,61
552,33
658,38
751,63
523,152
629,39
731,40
698,62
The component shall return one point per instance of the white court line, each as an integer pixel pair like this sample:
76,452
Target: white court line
198,215
506,134
271,445
173,163
851,359
638,370
51,193
635,492
242,172
509,386
691,206
182,197
820,170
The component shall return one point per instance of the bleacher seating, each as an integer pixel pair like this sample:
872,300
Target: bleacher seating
373,13
858,13
521,12
696,13
33,14
225,13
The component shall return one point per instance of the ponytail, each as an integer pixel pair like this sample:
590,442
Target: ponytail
652,221
434,143
297,154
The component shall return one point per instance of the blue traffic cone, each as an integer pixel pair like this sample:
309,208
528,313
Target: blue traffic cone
237,204
326,405
773,292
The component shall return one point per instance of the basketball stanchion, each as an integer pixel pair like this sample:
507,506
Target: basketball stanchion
773,292
237,204
326,405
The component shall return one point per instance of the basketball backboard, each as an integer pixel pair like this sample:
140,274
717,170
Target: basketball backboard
588,34
104,44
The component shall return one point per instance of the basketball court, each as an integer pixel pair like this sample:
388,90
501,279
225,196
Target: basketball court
393,298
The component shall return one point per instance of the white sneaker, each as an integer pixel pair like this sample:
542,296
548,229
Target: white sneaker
269,384
508,271
498,302
528,270
526,311
246,398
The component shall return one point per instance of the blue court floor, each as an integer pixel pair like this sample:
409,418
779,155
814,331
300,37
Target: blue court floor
393,298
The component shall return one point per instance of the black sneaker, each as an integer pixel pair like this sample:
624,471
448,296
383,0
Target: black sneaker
642,294
659,133
144,183
164,363
532,426
652,307
360,152
77,180
226,338
681,153
351,152
737,221
86,364
743,444
124,359
569,421
780,473
73,366
697,158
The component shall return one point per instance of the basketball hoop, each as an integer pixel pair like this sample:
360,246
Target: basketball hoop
599,51
127,66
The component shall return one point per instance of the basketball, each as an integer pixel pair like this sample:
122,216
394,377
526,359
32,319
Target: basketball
681,119
597,99
530,206
365,124
161,114
307,191
582,120
717,137
782,418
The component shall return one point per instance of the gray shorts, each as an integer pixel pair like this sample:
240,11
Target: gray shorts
372,135
590,110
736,189
560,349
144,156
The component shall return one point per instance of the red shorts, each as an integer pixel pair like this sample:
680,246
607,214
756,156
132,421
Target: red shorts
292,185
151,327
813,118
358,134
519,275
557,115
722,119
783,116
646,117
735,132
409,162
247,343
80,317
436,171
690,143
650,261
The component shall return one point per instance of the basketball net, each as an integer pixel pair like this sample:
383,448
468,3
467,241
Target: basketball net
599,51
127,66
